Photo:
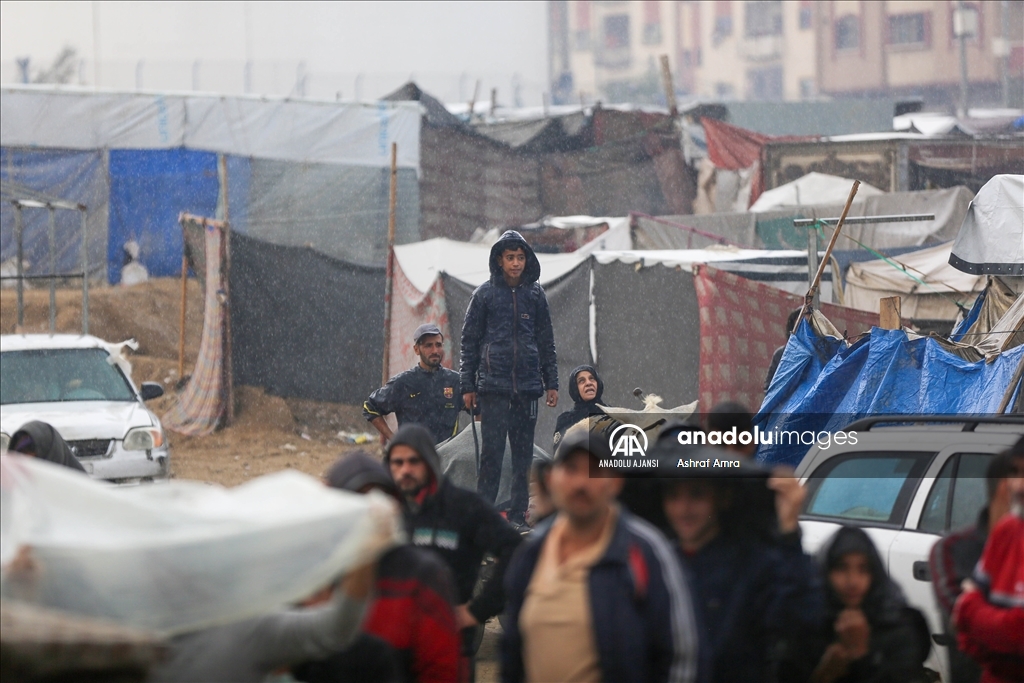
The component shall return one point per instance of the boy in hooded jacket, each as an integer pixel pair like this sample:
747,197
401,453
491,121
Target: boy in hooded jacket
508,362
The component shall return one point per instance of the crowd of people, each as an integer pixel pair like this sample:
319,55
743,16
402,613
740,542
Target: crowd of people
595,576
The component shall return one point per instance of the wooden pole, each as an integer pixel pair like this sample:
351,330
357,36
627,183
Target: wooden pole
670,91
184,301
472,102
889,317
812,291
390,269
225,250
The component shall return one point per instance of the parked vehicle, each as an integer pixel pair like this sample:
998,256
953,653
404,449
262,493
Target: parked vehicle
906,485
78,384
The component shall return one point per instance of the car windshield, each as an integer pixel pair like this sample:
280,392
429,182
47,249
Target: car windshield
49,375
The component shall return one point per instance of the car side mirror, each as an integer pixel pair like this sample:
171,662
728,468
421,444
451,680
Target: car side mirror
150,390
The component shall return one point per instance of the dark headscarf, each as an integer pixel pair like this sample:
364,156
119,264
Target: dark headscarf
884,601
43,440
358,469
581,409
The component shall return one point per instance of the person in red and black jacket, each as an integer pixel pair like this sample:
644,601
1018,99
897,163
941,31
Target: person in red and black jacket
410,634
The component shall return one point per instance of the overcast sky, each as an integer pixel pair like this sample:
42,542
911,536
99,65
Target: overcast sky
355,48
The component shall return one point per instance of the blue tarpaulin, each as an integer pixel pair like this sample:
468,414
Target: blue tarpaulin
148,190
823,384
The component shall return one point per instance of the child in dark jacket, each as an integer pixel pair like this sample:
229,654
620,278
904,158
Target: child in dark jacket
508,362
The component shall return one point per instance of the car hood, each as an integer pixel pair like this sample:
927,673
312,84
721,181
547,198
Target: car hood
77,420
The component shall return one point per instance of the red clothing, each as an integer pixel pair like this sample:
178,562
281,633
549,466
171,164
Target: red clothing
992,630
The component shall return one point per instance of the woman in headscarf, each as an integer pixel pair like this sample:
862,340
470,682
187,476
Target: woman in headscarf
40,440
872,634
586,389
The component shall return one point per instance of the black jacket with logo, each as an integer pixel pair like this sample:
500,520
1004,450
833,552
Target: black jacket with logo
431,399
461,527
508,344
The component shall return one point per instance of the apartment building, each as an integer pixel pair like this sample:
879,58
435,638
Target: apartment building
785,49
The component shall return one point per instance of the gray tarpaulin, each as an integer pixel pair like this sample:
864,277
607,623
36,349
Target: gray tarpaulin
568,299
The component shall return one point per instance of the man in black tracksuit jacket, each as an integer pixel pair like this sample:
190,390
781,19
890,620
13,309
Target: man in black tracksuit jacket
455,523
508,362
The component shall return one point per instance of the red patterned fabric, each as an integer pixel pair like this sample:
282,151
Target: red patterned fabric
410,308
742,322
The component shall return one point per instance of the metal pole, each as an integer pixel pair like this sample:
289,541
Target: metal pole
85,273
18,230
812,262
961,22
390,269
53,268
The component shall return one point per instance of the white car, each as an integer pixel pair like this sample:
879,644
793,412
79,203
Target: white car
906,486
77,384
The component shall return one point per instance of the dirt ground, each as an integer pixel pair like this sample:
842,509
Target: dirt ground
269,433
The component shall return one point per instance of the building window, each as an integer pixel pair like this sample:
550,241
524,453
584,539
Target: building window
723,19
581,36
806,14
909,29
807,89
616,32
848,32
765,84
652,22
763,18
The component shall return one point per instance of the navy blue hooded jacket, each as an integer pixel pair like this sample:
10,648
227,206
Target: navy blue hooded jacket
508,345
644,628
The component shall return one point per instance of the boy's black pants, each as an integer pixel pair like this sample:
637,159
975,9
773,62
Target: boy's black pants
513,416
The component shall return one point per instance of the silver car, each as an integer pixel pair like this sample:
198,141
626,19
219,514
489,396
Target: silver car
82,386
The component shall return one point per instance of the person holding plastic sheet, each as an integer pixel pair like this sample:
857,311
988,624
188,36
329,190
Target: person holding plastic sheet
870,633
954,557
755,590
598,594
727,416
508,362
989,616
458,525
427,394
409,633
41,440
586,390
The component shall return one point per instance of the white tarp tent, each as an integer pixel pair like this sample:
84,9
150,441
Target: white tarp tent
991,239
811,189
181,556
903,275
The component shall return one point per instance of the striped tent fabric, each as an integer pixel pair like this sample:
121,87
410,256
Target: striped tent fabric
201,405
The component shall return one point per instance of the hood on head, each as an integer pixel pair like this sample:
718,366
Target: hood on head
884,600
47,444
418,438
359,469
574,391
511,239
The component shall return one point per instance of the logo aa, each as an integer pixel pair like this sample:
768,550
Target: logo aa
628,440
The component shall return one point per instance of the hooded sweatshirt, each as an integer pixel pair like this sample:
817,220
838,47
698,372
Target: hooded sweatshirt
508,344
458,525
581,409
410,625
899,641
47,444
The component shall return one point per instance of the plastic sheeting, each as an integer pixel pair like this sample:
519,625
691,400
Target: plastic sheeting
813,188
991,239
181,556
71,176
823,384
306,131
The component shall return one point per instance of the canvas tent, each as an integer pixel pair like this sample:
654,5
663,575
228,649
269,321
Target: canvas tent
929,287
285,171
991,239
813,188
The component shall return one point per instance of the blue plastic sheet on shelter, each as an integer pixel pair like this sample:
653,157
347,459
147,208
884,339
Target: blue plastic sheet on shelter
823,384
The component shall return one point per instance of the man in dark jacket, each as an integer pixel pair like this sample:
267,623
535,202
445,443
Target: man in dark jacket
410,625
427,394
598,594
587,392
508,362
455,523
753,586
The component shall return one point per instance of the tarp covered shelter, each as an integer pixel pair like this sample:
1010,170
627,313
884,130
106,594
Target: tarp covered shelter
813,188
286,171
991,238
